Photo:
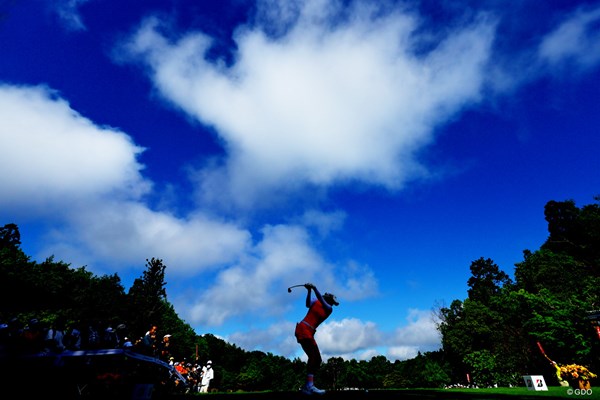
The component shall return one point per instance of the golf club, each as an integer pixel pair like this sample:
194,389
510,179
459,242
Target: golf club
290,288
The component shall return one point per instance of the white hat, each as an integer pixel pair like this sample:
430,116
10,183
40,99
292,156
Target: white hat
209,362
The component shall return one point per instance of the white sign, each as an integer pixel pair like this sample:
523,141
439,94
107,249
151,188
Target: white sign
535,382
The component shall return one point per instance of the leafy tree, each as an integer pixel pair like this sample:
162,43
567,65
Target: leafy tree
266,372
252,375
561,324
147,296
470,326
333,371
183,339
357,376
493,332
108,298
454,337
484,367
574,231
10,238
13,265
486,281
513,349
426,370
282,375
377,369
558,273
435,373
395,380
227,358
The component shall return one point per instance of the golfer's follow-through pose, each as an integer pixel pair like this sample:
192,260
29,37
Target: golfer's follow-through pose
318,311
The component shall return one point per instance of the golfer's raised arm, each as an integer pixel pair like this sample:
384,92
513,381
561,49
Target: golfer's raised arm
309,286
320,297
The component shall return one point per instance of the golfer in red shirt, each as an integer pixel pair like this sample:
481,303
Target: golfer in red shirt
318,311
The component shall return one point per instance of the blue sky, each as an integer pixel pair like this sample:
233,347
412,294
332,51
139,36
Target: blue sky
375,149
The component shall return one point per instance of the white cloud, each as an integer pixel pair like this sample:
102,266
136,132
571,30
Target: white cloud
51,155
324,222
402,352
575,42
352,338
321,104
419,330
84,181
129,232
349,338
68,12
347,335
122,230
58,166
353,281
283,256
278,338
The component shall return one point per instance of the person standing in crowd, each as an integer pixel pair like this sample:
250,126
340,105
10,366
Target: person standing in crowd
149,341
165,348
122,332
207,375
110,340
54,337
33,337
92,337
319,309
194,378
72,339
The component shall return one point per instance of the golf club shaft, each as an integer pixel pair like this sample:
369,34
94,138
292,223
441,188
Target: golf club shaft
290,288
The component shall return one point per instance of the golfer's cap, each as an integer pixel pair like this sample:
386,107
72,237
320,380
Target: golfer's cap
331,299
209,362
167,335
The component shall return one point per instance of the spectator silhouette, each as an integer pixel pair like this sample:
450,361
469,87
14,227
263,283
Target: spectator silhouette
54,338
92,337
165,348
207,375
149,341
72,340
33,337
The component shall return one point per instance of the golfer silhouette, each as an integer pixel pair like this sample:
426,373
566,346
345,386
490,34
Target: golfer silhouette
319,310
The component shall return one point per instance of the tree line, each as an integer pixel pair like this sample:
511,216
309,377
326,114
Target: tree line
493,334
489,338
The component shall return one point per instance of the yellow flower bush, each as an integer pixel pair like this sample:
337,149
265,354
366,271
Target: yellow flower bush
574,372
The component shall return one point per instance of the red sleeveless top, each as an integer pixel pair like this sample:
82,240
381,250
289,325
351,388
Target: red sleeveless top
316,314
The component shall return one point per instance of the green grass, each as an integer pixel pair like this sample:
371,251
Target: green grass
504,392
516,391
